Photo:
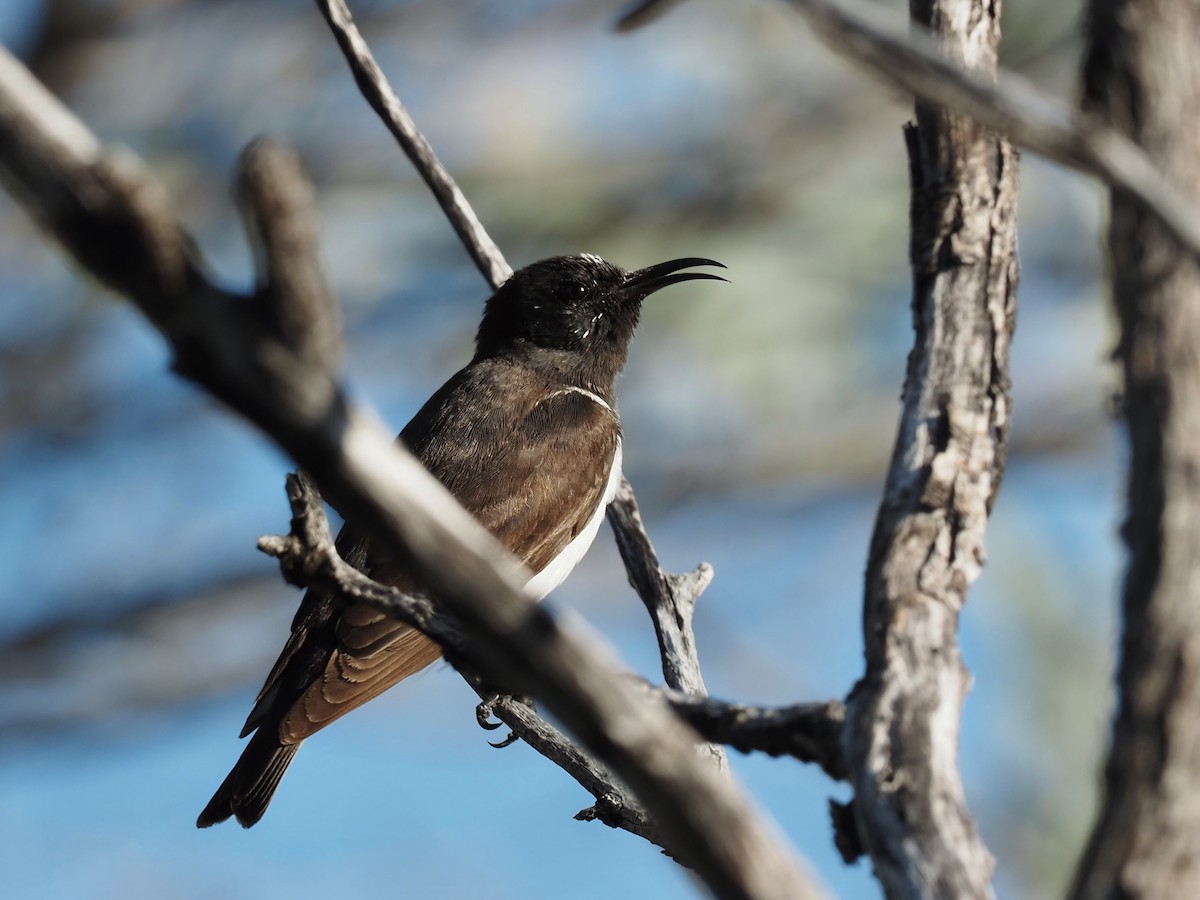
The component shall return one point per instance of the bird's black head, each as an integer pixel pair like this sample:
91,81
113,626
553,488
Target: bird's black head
576,314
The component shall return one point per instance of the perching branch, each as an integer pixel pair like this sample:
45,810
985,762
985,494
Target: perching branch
807,732
112,215
308,558
615,805
878,41
670,600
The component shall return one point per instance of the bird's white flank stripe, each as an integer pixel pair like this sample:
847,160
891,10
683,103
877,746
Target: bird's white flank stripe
556,571
560,567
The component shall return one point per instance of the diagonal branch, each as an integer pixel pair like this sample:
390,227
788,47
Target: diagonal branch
308,558
1008,105
276,201
642,12
379,94
670,600
880,42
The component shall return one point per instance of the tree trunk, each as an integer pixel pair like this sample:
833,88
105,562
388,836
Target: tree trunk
1143,72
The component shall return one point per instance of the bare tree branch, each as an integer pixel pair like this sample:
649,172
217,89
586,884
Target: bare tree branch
114,217
1142,72
808,732
902,718
1007,104
308,558
882,43
615,806
277,201
670,600
643,12
379,94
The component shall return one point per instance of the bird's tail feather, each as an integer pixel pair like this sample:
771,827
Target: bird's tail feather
248,788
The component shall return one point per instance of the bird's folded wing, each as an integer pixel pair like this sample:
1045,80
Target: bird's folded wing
535,489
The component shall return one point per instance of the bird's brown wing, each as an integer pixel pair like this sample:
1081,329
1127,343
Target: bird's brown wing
534,487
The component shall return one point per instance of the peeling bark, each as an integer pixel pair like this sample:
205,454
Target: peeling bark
901,739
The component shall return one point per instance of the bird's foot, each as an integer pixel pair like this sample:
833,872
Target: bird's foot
485,710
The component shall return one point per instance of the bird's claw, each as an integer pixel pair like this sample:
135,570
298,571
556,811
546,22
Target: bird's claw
483,713
500,745
486,709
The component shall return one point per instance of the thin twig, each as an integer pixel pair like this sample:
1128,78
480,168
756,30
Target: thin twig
308,558
615,805
808,732
670,600
379,94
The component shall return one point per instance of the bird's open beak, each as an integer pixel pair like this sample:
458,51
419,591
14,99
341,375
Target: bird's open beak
646,281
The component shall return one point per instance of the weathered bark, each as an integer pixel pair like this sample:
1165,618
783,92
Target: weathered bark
901,738
1143,71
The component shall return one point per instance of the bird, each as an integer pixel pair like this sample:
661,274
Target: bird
527,438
